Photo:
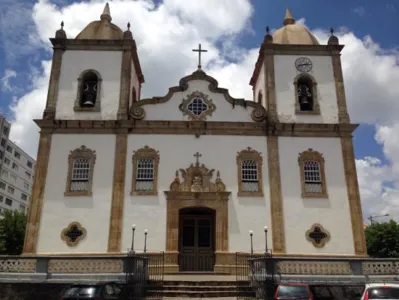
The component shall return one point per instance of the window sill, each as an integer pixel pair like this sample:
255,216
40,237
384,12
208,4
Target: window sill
87,109
309,195
307,112
144,193
250,194
77,194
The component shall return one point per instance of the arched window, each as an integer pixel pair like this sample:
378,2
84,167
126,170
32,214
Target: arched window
89,88
249,167
80,172
145,172
313,179
260,97
306,94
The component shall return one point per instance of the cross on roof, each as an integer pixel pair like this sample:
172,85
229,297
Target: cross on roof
197,156
199,50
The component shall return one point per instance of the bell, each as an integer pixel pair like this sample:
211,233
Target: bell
304,100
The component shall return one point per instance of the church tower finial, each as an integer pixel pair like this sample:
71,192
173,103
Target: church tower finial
106,15
289,19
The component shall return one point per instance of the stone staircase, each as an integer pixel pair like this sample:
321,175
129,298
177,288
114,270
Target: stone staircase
203,286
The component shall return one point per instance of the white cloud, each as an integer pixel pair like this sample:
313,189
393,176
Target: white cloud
5,80
360,10
167,33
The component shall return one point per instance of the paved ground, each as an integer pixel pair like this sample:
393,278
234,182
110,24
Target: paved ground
200,278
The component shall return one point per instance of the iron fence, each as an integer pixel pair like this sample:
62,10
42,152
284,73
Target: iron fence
255,276
144,275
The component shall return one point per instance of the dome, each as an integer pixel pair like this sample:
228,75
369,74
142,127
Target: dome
293,33
101,30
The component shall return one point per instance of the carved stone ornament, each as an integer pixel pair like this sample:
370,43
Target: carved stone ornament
197,178
318,236
73,234
197,106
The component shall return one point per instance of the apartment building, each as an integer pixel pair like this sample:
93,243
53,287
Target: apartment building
16,172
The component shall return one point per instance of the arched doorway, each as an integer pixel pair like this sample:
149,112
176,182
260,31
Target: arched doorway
196,239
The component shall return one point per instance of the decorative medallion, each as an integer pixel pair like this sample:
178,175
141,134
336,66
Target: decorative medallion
318,235
73,234
303,64
197,106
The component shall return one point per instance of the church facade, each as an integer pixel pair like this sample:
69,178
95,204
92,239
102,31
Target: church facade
194,173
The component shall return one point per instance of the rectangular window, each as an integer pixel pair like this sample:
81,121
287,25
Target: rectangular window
27,174
2,185
9,149
5,130
29,164
8,201
313,183
249,176
7,161
17,154
13,178
14,166
10,189
1,198
24,196
26,186
22,208
4,173
145,174
3,142
1,154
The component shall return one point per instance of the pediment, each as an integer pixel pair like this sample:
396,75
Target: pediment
211,96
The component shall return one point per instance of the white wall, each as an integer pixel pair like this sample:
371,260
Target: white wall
92,212
300,214
285,73
176,152
260,86
224,110
108,64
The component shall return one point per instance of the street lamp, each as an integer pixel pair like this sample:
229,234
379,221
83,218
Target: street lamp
133,229
251,233
145,240
265,228
371,218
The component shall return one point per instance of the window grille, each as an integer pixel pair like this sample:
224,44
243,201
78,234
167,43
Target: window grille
145,175
313,180
80,175
249,176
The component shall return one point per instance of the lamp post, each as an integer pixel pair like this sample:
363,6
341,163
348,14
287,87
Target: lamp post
133,229
371,218
265,228
145,240
251,233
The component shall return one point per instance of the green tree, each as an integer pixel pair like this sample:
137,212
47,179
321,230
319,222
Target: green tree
383,240
12,232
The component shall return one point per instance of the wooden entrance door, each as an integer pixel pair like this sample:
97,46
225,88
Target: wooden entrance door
196,242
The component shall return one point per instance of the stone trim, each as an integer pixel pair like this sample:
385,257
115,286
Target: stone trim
258,114
316,106
355,206
196,128
124,92
311,155
249,154
52,94
276,198
270,87
142,153
281,49
86,153
343,115
68,240
197,94
36,203
118,194
324,240
97,106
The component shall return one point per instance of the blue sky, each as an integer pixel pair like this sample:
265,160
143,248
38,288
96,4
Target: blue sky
24,50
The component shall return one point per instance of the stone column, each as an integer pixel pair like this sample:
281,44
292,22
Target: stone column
276,199
49,111
36,203
126,74
270,85
118,194
343,115
355,206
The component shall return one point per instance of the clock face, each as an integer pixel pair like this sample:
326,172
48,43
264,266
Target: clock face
303,64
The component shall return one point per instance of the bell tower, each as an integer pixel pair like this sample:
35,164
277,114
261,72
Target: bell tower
96,75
